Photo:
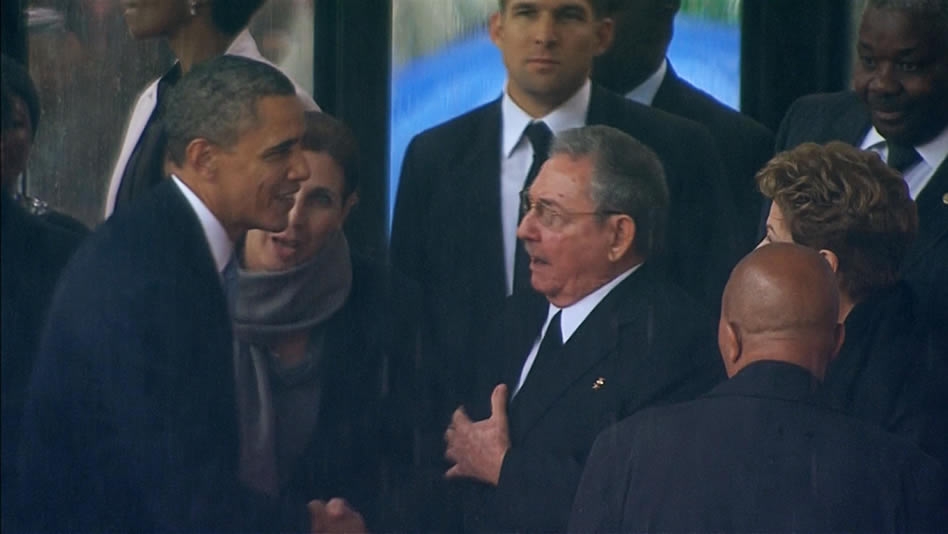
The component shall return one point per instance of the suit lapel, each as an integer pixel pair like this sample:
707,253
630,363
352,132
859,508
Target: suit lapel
932,215
479,195
852,124
595,340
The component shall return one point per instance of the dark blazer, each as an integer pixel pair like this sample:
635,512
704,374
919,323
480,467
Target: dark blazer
890,370
131,421
843,117
756,455
447,235
646,342
744,144
360,441
33,254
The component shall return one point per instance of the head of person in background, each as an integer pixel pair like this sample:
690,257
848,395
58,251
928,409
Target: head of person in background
643,31
901,72
597,209
234,127
848,205
320,207
196,30
781,303
548,48
20,123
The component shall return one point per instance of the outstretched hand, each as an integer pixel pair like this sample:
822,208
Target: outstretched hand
477,449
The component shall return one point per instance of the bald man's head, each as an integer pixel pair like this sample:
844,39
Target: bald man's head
781,303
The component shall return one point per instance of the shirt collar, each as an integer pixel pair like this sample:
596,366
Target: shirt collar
570,114
646,91
221,246
933,152
574,314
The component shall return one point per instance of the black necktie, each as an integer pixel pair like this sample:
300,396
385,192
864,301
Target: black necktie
545,362
540,137
901,157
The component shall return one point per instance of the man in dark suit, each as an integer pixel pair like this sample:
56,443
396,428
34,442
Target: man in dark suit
131,421
899,108
758,454
453,231
606,336
636,66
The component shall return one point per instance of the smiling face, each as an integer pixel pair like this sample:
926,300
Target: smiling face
319,211
154,18
569,259
548,48
258,177
902,74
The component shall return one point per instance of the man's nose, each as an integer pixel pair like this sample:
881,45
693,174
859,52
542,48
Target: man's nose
544,30
527,229
299,171
885,80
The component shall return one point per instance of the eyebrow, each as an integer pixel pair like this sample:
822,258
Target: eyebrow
282,147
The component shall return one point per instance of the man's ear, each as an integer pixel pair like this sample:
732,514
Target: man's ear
730,344
623,236
201,156
831,258
605,33
496,27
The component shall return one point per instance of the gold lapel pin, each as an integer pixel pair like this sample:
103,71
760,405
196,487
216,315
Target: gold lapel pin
599,383
944,198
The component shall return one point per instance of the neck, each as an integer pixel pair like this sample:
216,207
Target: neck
802,349
206,193
846,305
198,41
538,106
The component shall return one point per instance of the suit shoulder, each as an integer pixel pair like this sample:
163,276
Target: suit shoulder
455,132
822,104
693,102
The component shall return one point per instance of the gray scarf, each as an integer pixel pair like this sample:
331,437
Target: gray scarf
274,401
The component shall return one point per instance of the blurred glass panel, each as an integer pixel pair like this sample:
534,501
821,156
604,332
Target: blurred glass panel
444,63
89,72
706,48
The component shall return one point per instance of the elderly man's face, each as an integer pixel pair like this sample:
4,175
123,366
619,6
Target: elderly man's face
568,243
902,74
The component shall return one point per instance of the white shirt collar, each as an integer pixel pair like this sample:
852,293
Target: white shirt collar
570,114
221,246
933,152
646,91
574,314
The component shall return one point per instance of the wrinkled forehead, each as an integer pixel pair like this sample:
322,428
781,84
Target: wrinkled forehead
904,29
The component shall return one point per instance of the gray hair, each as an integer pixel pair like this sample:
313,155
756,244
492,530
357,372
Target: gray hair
627,178
217,101
935,11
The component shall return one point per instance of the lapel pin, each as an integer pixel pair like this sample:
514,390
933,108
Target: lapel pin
944,198
599,383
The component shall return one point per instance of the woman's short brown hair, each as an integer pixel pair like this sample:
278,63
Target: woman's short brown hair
845,200
325,133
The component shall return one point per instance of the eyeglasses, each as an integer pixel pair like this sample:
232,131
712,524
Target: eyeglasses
552,217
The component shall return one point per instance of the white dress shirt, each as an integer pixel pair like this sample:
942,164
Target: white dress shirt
646,91
516,156
918,175
570,320
217,240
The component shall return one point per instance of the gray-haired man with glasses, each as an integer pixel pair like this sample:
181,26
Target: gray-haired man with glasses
605,336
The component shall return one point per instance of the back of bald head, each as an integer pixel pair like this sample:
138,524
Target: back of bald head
781,303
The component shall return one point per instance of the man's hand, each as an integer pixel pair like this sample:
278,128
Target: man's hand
334,517
478,449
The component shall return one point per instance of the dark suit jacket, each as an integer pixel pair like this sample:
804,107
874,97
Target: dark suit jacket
648,342
755,455
744,144
890,371
843,117
447,236
131,422
33,254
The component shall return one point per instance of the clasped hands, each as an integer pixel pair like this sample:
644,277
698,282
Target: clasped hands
477,448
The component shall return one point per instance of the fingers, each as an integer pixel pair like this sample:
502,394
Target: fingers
337,507
454,472
460,417
498,401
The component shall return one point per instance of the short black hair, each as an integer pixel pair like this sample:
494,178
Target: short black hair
217,101
19,84
233,15
325,133
601,8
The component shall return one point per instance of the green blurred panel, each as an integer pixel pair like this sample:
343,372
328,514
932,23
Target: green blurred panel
422,26
721,10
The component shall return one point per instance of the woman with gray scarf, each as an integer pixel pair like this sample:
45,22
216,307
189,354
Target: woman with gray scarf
310,355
